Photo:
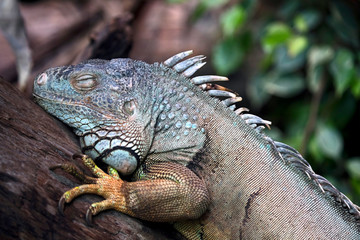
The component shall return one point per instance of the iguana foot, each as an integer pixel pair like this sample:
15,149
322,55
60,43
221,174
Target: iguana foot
74,170
167,192
106,185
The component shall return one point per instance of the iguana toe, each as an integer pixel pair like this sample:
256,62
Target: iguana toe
98,207
89,217
61,205
105,185
74,170
113,197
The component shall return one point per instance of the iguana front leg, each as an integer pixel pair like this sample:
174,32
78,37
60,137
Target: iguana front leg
167,192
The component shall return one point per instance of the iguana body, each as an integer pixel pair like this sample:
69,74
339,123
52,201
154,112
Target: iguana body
193,159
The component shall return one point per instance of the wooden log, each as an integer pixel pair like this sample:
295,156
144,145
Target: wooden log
32,141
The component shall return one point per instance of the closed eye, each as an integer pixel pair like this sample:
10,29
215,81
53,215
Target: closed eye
85,82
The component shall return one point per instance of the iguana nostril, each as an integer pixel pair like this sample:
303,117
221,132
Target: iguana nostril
42,79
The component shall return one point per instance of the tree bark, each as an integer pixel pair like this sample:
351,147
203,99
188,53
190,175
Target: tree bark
33,141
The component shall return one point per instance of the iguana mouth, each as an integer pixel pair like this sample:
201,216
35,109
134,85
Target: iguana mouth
70,102
57,100
61,100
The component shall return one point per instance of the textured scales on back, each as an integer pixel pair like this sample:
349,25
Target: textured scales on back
193,156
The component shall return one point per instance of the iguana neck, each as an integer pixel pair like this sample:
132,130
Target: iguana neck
179,115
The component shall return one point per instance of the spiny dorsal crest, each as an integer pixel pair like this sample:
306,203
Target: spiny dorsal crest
288,154
188,67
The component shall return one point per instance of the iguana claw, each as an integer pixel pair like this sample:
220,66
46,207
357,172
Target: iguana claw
89,213
78,155
73,170
106,185
89,217
61,205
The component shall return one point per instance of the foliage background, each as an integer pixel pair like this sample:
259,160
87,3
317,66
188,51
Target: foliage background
303,62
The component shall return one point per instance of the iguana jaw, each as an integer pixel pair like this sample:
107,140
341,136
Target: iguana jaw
113,148
70,102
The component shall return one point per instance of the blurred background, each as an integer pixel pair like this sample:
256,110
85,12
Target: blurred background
295,63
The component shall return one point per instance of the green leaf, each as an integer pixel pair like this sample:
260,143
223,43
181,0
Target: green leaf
320,55
297,115
330,141
317,57
266,62
285,63
315,152
314,75
232,20
342,69
246,40
300,24
276,33
257,92
227,56
283,86
355,86
355,185
213,3
353,167
306,20
288,8
296,45
342,109
249,5
198,12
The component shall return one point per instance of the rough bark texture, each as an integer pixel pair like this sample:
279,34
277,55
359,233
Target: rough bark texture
32,141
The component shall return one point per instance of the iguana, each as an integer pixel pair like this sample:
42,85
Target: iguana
193,158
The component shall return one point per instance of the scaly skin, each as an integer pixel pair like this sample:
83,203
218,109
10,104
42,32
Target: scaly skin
141,198
193,159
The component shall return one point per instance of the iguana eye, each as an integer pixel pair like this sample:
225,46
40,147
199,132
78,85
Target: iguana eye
84,82
129,107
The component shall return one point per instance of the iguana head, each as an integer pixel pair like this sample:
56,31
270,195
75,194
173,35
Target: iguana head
100,100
